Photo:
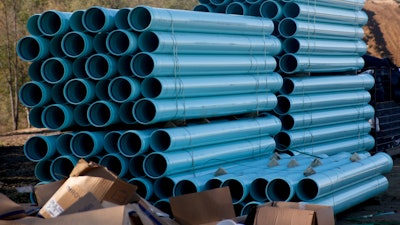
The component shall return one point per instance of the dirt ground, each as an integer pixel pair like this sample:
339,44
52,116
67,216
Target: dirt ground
16,171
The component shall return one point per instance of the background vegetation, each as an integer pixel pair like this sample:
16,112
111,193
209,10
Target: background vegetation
13,72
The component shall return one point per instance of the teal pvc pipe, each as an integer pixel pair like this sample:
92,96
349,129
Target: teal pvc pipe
35,117
126,114
249,207
204,8
63,143
116,163
346,199
314,101
80,115
204,1
101,66
34,71
164,205
86,144
101,89
239,187
302,137
200,86
202,43
145,187
296,63
58,117
77,44
220,9
254,10
75,21
134,142
103,113
325,117
35,94
159,164
33,48
326,182
111,141
301,85
40,147
272,10
62,166
100,42
187,137
54,23
164,186
136,166
148,64
304,45
145,18
148,111
346,4
42,170
121,19
124,65
79,91
124,89
56,70
32,25
314,13
290,27
237,8
98,19
57,93
78,67
122,42
220,2
55,46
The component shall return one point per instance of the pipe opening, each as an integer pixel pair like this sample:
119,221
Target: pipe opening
102,85
287,27
118,42
151,87
236,189
148,41
140,18
269,10
100,42
97,67
94,19
63,143
144,111
287,87
160,140
42,170
53,70
124,65
184,187
35,115
80,115
31,94
49,23
235,8
287,122
53,117
201,8
307,189
120,89
282,140
136,166
32,25
28,48
288,63
212,184
291,10
111,141
34,71
141,188
61,168
78,67
36,148
278,190
257,189
126,114
76,20
163,187
130,144
112,163
75,91
73,44
142,65
155,165
121,18
99,113
55,47
82,144
164,206
291,45
283,105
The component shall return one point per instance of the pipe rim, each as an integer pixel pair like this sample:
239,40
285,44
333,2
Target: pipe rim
42,170
287,122
202,8
80,115
101,113
125,145
126,114
185,187
291,45
111,141
121,42
77,91
114,163
40,146
144,111
34,71
155,165
291,10
288,63
307,189
287,27
76,20
136,166
148,41
283,190
124,67
257,189
55,23
29,48
236,188
75,44
67,163
57,117
236,8
282,140
121,18
213,183
94,13
283,105
33,94
142,65
151,87
163,187
35,115
100,66
123,89
32,25
143,187
269,9
140,18
99,42
160,140
83,144
55,70
63,143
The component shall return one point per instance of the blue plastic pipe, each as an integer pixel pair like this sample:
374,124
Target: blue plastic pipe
116,163
149,111
163,205
345,4
34,71
63,143
111,141
220,2
126,114
62,166
122,42
79,91
272,10
148,64
199,86
78,67
101,66
145,18
248,207
35,94
33,48
203,43
187,137
86,144
134,142
98,19
54,23
103,113
204,8
159,164
77,44
145,187
58,117
80,115
75,21
40,147
42,170
35,117
136,166
124,65
325,100
32,25
100,42
57,93
55,47
56,70
124,89
304,45
101,89
237,8
121,19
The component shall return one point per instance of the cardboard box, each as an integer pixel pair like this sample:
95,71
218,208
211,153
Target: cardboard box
9,209
288,213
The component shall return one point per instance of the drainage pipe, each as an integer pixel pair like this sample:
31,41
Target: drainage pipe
111,141
237,8
79,91
116,163
35,117
204,8
56,70
77,44
248,207
301,85
148,64
126,114
32,25
58,117
55,47
134,142
39,148
122,42
254,10
220,2
164,205
80,115
317,135
306,102
42,171
148,111
272,10
103,113
78,67
121,19
75,21
124,65
292,63
98,19
199,43
169,139
100,42
62,166
145,18
63,143
35,94
57,93
124,89
85,144
101,86
159,164
136,166
54,23
324,183
101,66
345,4
33,48
345,198
195,86
290,27
314,118
314,13
144,187
34,71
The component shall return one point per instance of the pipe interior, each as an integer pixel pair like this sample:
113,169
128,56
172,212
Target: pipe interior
57,93
307,189
76,20
112,163
118,42
53,70
124,67
55,47
269,10
291,45
63,143
148,41
288,63
163,206
258,189
97,66
287,122
121,18
80,115
291,10
185,187
29,48
130,143
102,85
42,170
76,91
99,113
36,148
73,44
278,190
283,105
82,144
34,71
94,19
32,25
99,42
49,23
144,111
140,18
35,117
213,183
136,166
31,94
61,168
160,140
120,89
151,87
125,112
282,140
78,67
201,8
235,8
163,187
236,189
155,165
110,141
53,117
141,188
142,65
287,27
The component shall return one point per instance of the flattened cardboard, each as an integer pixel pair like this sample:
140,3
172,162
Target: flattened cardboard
9,209
203,207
